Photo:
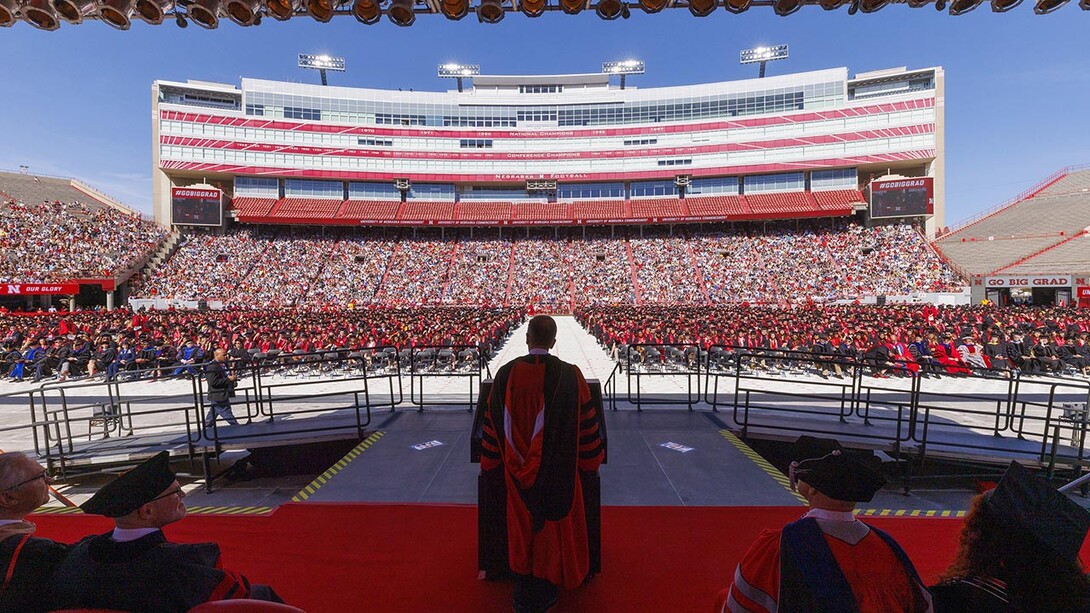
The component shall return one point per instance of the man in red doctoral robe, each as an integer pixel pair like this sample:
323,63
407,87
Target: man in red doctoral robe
828,561
541,430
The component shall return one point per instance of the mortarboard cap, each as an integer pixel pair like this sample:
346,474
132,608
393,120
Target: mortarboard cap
834,471
133,489
1027,503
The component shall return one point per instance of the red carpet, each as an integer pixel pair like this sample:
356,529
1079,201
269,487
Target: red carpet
359,557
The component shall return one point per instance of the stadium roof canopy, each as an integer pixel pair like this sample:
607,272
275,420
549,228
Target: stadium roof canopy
49,14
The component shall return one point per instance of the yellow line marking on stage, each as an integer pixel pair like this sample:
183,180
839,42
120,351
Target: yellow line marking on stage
761,463
323,478
190,510
908,513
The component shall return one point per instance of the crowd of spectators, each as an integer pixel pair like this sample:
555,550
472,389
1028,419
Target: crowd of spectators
44,345
206,266
819,261
542,274
479,273
57,241
353,272
417,272
664,271
894,339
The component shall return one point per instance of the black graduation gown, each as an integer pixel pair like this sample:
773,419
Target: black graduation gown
147,575
31,577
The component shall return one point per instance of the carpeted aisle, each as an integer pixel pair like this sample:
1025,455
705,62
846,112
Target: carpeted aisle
360,557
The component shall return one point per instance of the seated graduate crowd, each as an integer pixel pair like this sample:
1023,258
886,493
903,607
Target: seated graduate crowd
892,340
163,344
757,263
55,241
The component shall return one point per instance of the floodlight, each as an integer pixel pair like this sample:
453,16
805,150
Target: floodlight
960,7
8,11
784,8
490,11
205,13
458,71
74,11
702,8
284,9
181,21
321,62
40,14
1002,6
454,9
623,67
401,13
611,9
367,11
453,70
737,6
1084,5
153,11
763,54
533,8
1045,7
322,10
243,12
653,6
572,7
117,13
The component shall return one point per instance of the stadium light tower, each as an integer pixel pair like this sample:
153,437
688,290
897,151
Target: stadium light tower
458,71
623,68
763,55
321,63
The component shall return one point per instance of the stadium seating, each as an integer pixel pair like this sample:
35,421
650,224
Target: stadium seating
479,273
787,202
1073,182
839,199
717,206
1070,255
482,211
370,209
33,189
420,210
306,208
68,236
542,211
599,209
1021,230
665,272
253,207
657,208
585,265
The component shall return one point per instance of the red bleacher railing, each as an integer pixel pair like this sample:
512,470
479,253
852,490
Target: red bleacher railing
1039,252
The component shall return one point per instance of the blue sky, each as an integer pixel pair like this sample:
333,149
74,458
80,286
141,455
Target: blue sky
77,102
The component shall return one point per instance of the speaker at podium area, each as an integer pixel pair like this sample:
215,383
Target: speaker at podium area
492,558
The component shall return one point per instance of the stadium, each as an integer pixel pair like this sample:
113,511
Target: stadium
731,265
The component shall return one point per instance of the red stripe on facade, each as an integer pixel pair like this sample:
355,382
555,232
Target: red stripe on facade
279,124
546,155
